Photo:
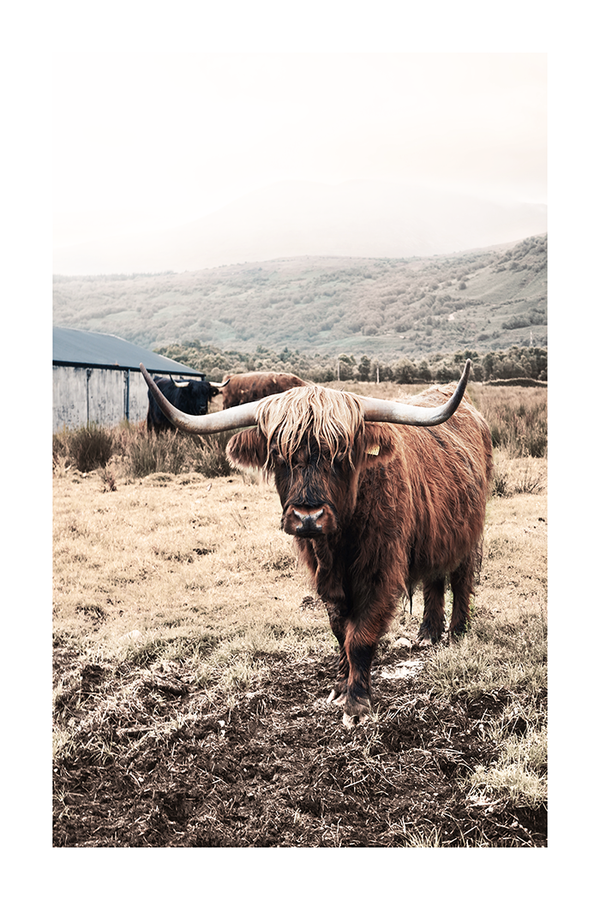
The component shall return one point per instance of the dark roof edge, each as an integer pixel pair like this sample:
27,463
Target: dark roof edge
152,369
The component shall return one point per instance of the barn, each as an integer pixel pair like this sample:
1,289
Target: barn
97,378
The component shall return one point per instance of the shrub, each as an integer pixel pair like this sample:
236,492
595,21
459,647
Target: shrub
210,458
138,453
149,453
87,447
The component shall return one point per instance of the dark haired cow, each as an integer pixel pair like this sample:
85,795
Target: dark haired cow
375,505
255,385
190,396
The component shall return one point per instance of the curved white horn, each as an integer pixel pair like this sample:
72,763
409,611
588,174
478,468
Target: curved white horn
407,414
178,383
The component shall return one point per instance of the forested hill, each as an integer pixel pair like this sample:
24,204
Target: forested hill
483,299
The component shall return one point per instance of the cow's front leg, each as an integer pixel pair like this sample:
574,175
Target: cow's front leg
357,700
370,619
337,610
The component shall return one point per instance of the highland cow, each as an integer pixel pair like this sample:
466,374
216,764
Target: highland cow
255,385
191,396
374,508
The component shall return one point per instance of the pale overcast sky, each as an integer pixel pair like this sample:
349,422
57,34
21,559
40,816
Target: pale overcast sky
146,140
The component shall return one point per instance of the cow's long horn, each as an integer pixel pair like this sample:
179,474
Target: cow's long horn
237,417
219,385
407,414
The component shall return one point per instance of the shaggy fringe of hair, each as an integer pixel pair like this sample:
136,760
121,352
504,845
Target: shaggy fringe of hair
333,418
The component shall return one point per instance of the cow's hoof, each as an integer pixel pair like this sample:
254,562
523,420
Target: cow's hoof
356,712
339,693
352,721
421,642
456,634
338,699
425,638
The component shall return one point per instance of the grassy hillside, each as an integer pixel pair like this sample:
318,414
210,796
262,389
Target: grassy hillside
488,299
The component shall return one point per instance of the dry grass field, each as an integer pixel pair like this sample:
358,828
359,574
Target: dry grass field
192,666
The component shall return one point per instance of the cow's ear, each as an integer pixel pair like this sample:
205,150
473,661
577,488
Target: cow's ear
379,442
248,449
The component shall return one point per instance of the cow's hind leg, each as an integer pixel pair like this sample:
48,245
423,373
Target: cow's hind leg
461,582
432,626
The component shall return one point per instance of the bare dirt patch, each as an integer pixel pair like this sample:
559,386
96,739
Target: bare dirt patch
159,763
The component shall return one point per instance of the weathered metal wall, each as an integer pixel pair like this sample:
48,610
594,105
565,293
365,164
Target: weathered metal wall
104,396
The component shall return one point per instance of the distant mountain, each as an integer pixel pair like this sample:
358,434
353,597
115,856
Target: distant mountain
357,218
482,299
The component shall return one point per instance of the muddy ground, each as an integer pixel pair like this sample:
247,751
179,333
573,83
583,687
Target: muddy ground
162,763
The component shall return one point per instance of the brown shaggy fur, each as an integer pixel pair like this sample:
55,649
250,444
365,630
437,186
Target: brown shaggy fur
256,385
375,509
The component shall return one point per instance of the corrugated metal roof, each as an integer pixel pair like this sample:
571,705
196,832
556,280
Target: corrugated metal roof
72,347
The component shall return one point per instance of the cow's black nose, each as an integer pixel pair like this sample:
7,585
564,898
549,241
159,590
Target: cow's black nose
308,521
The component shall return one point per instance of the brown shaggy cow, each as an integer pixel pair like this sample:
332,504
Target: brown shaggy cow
374,508
255,385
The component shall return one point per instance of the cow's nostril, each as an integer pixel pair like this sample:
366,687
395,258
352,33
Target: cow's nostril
305,517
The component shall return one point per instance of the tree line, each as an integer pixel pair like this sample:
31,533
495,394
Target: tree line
511,363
